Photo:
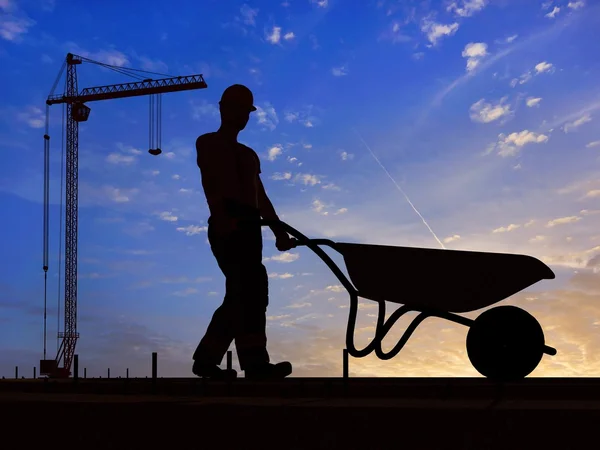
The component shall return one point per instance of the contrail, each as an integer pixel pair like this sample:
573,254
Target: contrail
399,188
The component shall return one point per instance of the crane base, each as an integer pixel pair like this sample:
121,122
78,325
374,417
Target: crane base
49,367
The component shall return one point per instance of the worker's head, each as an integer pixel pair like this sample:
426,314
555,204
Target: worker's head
236,105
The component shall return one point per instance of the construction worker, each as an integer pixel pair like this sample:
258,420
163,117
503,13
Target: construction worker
234,193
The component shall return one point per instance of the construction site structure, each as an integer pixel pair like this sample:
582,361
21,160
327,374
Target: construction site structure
77,111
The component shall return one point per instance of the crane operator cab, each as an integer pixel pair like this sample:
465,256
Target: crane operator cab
80,112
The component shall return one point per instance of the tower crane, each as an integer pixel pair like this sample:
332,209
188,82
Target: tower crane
77,111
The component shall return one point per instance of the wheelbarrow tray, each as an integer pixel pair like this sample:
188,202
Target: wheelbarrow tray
450,280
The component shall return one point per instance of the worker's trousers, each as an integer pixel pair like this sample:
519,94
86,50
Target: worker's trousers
242,316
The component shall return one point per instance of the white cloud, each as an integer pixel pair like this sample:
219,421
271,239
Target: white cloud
570,126
267,116
436,31
576,5
117,158
339,71
319,207
281,276
510,39
563,221
593,144
274,36
167,216
281,176
321,3
204,109
248,14
13,22
289,36
192,230
274,152
483,112
543,67
340,211
474,52
291,116
285,257
307,179
466,8
593,193
552,14
511,227
511,145
452,238
538,69
33,116
533,101
346,156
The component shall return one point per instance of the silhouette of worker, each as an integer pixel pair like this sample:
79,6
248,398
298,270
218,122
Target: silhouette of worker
234,193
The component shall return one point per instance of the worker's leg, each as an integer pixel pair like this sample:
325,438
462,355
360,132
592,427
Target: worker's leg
228,317
251,341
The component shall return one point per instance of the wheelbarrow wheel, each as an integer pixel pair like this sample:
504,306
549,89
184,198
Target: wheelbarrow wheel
505,343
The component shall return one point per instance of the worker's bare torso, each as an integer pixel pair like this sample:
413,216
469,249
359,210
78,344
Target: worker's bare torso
228,170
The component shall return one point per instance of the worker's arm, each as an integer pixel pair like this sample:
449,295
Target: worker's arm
219,176
267,211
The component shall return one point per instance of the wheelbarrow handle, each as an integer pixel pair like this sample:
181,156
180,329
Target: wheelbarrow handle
298,238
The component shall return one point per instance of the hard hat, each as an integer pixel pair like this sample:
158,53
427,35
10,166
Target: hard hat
238,95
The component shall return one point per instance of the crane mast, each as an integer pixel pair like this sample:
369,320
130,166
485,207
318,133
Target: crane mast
77,111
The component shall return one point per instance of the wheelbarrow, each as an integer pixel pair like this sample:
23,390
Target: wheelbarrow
504,343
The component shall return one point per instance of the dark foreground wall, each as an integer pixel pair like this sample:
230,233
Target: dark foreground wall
456,417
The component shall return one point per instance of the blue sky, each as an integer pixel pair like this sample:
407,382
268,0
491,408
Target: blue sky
483,112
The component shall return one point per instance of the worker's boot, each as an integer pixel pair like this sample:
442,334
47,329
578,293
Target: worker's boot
268,371
212,371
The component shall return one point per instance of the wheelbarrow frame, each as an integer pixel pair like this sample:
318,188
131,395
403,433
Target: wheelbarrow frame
383,326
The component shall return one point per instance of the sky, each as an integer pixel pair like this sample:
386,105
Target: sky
467,124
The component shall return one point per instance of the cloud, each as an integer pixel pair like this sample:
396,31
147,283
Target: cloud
285,257
543,67
289,36
483,112
204,109
191,230
274,36
571,126
593,144
511,145
274,152
533,101
33,116
320,3
14,23
474,52
346,156
339,71
436,31
576,4
552,14
511,227
466,8
248,14
563,221
281,176
539,68
452,238
117,158
266,116
167,216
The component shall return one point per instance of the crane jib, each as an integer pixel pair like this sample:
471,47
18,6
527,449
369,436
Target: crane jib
123,90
